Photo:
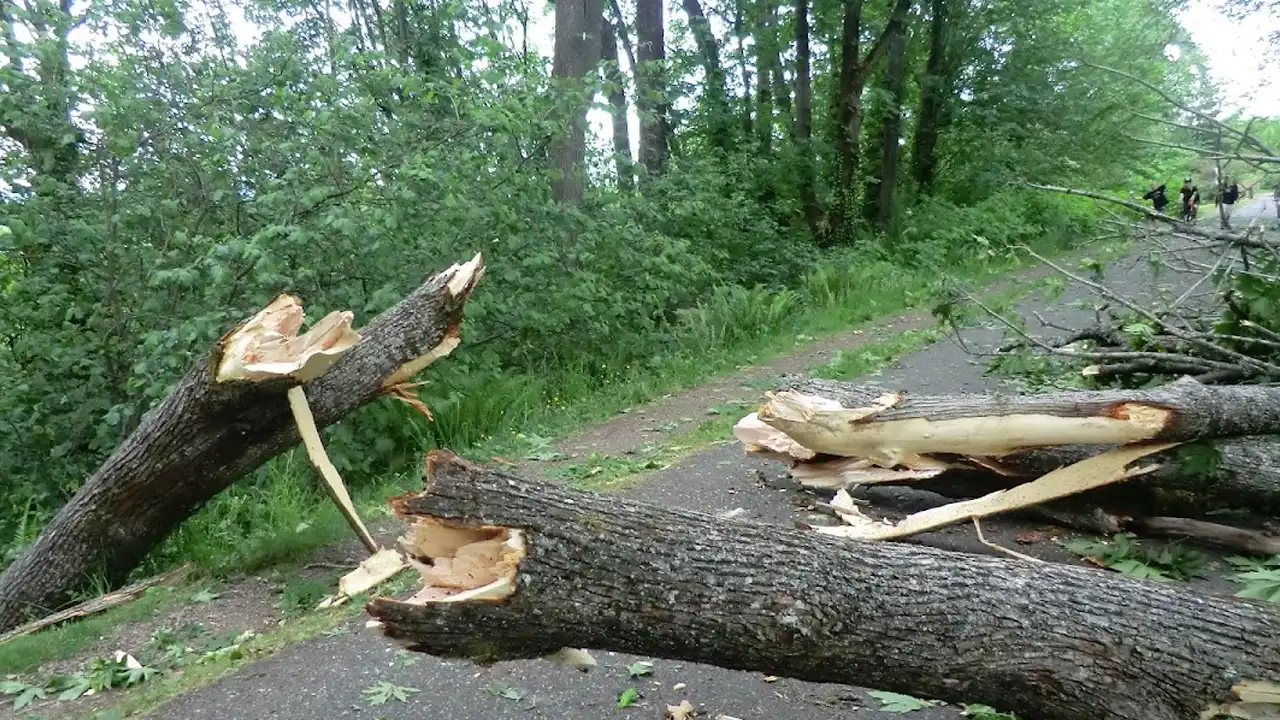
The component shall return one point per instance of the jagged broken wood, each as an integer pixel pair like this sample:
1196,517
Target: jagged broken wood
225,417
835,435
516,569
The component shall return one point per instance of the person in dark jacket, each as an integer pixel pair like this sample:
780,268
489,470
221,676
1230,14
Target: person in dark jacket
1158,199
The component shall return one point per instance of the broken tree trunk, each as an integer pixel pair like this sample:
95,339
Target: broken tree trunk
851,421
519,569
1228,466
226,416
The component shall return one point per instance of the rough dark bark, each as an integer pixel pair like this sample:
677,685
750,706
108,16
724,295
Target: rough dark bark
739,30
203,437
651,80
1046,641
854,71
891,132
766,40
617,91
715,103
933,93
804,123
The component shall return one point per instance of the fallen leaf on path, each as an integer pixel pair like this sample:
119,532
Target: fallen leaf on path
1029,538
679,686
770,678
683,711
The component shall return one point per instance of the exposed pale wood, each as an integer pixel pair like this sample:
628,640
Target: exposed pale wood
1105,469
333,484
1047,641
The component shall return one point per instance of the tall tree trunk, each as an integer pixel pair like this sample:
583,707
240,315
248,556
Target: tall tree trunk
715,103
1047,641
766,41
568,150
854,71
804,123
617,91
651,79
782,92
933,93
739,29
891,133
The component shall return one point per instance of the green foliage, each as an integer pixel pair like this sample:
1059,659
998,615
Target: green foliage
986,712
382,691
167,651
1124,554
1260,578
627,698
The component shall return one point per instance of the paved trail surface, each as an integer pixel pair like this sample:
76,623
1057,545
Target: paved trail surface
325,677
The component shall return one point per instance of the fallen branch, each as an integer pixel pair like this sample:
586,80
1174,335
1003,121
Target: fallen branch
599,572
225,417
97,605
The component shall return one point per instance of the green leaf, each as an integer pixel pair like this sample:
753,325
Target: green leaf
28,696
986,712
896,703
640,669
513,694
380,692
204,596
628,698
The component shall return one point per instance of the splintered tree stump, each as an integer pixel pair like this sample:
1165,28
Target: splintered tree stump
228,415
519,569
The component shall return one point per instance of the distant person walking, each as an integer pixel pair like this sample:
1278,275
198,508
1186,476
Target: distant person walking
1227,202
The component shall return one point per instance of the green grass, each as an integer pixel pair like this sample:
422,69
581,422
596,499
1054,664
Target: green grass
24,654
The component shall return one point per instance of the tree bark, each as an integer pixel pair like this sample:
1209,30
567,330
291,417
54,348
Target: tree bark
715,103
854,71
739,29
766,40
568,150
617,91
804,124
651,80
594,571
891,133
576,53
933,93
207,434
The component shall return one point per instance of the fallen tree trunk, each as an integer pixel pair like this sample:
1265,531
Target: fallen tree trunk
1240,469
852,421
518,569
228,415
